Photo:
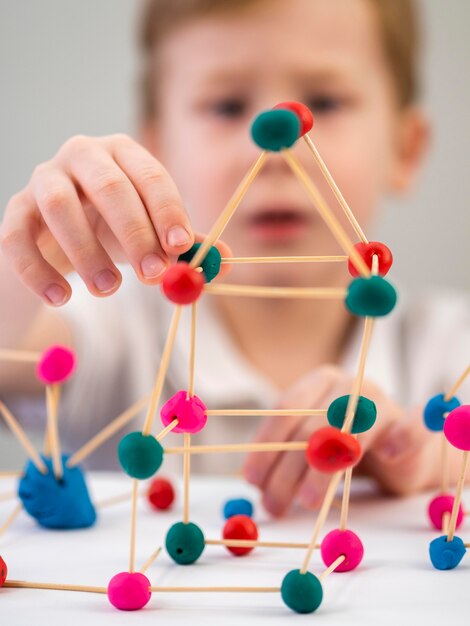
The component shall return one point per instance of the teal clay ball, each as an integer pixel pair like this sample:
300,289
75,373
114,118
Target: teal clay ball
211,263
371,297
364,417
275,130
185,543
302,593
140,455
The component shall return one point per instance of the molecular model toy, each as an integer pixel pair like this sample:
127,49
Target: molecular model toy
333,449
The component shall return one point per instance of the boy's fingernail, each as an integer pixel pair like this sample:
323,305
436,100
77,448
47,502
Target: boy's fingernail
56,294
177,236
152,266
105,281
273,506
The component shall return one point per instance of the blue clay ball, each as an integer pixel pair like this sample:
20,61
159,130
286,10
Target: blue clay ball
210,264
435,409
446,554
237,506
275,130
371,297
61,505
140,455
303,593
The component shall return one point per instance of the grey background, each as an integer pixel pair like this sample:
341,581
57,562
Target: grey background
68,67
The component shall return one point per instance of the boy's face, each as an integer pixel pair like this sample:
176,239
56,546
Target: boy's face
219,72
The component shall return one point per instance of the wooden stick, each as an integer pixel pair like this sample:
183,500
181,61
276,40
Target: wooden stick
271,412
283,259
162,370
150,560
23,439
47,437
332,567
124,497
107,432
322,515
346,498
241,447
444,464
192,354
445,522
9,495
335,189
453,390
250,543
216,589
19,356
11,518
356,391
326,213
458,497
171,426
186,474
226,215
275,292
10,474
21,584
52,430
135,492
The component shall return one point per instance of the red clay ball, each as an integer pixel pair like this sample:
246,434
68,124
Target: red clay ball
367,251
3,571
182,284
161,494
330,450
303,113
240,527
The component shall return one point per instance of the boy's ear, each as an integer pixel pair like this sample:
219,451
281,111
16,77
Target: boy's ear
148,137
413,139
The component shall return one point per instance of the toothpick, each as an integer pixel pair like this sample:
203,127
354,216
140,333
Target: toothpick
335,189
21,584
241,447
346,498
186,474
162,370
326,213
11,518
171,426
216,589
275,292
283,259
9,495
251,543
451,393
445,522
19,356
332,567
150,560
192,353
458,497
10,474
322,515
135,492
444,464
107,432
23,439
52,430
124,497
226,215
271,412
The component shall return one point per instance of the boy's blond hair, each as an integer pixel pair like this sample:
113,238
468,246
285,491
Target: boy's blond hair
397,22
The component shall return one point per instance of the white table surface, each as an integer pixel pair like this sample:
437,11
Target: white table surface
395,584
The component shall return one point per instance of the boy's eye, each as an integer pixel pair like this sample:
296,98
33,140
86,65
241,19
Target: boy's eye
325,104
229,107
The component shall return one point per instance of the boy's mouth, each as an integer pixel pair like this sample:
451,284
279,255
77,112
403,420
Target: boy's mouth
278,224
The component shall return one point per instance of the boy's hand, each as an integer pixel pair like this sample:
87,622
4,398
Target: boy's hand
395,449
97,202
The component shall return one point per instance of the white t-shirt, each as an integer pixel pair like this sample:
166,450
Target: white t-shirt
419,350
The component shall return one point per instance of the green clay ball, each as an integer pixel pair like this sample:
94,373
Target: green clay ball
302,593
371,297
185,543
211,263
364,417
275,130
140,455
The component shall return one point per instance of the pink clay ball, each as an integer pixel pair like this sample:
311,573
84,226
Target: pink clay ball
457,427
190,412
56,365
339,542
440,505
129,592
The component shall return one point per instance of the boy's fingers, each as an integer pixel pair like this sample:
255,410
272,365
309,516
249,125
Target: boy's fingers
63,213
312,489
18,235
158,192
115,198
